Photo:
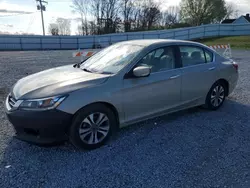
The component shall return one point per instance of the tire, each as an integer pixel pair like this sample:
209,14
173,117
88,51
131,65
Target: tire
216,96
84,130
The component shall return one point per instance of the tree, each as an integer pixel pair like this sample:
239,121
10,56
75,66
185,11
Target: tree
53,29
127,9
197,12
147,14
231,11
153,15
137,14
106,16
97,10
92,28
81,7
79,30
110,15
170,17
63,26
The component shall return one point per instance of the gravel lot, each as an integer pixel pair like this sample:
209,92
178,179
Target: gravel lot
192,148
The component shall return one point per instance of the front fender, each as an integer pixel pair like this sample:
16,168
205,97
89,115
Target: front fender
102,93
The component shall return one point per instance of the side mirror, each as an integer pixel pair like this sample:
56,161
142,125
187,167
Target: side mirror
142,71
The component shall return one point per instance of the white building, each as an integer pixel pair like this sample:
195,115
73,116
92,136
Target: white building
240,20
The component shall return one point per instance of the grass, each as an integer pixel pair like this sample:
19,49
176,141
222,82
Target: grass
237,42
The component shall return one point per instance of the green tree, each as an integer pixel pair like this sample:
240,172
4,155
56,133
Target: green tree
197,12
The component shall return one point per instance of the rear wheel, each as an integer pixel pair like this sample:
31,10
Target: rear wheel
216,96
92,127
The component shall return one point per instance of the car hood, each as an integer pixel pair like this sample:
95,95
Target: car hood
56,81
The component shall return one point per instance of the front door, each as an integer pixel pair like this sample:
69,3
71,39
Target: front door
159,91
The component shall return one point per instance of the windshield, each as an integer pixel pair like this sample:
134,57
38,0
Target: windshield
112,59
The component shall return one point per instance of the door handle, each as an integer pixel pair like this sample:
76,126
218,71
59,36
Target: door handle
212,68
174,77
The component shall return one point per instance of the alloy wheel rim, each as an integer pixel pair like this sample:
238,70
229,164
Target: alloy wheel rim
217,96
94,128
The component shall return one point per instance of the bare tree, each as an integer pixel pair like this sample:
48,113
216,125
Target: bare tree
232,12
92,28
53,29
97,8
111,15
147,14
153,16
81,7
106,13
137,14
170,16
127,7
63,26
79,30
108,16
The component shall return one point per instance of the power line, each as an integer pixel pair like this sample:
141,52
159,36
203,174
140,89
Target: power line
19,14
31,23
42,7
60,1
30,18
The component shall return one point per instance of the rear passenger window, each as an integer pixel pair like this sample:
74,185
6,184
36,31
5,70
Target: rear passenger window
209,56
191,55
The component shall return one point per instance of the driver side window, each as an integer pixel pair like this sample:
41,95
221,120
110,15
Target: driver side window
161,59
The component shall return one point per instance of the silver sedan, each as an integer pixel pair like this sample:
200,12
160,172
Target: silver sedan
125,83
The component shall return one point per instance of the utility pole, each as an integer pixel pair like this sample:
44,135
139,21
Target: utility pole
41,7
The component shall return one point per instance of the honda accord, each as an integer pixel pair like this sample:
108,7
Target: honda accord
122,84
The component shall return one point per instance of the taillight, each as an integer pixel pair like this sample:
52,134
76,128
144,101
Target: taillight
235,66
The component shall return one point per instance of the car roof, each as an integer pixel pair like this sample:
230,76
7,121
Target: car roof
149,42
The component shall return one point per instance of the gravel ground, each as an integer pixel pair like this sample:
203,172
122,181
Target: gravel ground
192,148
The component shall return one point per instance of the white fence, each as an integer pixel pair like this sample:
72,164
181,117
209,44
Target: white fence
22,42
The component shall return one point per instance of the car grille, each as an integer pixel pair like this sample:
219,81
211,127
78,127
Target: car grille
12,101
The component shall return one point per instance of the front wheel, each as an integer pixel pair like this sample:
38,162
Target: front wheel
216,96
92,127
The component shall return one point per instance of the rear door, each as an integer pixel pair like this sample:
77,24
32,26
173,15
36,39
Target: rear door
159,91
198,73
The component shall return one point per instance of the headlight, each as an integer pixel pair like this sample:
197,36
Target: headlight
41,104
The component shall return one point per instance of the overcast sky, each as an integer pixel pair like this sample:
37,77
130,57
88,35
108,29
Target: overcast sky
22,16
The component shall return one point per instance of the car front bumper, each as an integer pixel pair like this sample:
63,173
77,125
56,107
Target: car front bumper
40,127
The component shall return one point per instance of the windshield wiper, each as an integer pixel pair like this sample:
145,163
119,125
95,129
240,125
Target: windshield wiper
98,72
104,72
78,65
86,70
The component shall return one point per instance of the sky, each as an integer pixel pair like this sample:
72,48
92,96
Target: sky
22,16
